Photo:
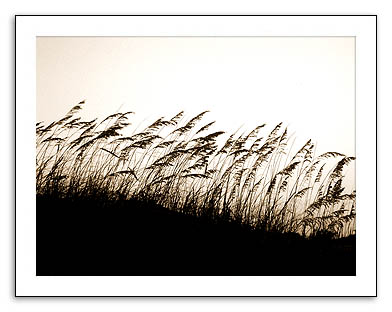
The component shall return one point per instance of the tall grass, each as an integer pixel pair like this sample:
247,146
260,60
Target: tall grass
178,163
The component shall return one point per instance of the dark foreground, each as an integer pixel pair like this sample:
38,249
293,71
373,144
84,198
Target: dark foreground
130,238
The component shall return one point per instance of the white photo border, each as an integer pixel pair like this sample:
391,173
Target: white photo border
363,28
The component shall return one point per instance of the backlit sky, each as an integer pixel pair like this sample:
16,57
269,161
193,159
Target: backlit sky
306,82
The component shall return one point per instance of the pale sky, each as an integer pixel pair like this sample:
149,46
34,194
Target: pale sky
308,83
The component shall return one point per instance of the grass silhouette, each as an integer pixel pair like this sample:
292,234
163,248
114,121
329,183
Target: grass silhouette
171,200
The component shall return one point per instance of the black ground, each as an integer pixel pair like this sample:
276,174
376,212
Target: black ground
85,237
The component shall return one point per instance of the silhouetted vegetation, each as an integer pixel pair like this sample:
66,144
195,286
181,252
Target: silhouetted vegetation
171,200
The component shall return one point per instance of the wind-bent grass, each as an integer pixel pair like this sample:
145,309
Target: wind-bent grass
178,164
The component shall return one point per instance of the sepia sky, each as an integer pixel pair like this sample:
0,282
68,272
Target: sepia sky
308,83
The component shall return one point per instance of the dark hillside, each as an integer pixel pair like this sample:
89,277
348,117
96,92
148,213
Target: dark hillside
86,237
